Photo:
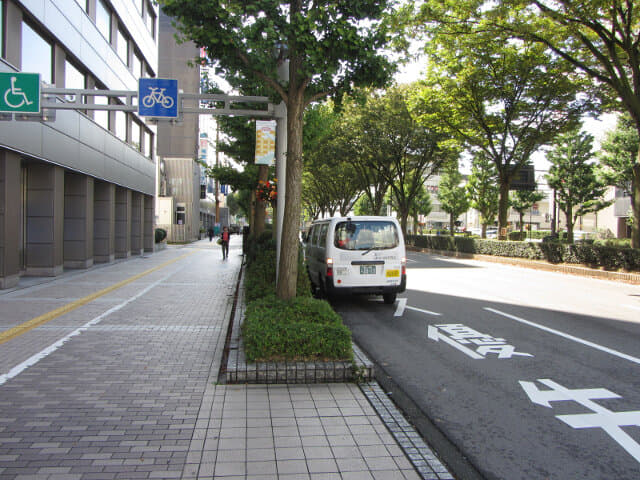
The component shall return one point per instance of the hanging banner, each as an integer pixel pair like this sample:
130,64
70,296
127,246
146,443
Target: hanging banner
265,142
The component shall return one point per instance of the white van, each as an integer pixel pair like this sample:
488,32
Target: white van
357,255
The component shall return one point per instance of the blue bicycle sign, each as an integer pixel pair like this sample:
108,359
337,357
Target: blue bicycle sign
158,97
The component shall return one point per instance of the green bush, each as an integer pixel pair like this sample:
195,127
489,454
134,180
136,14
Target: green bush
595,255
160,234
300,329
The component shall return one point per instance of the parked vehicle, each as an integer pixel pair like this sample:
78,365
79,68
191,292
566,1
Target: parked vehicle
357,255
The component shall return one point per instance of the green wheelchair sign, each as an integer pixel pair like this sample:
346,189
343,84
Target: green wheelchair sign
19,92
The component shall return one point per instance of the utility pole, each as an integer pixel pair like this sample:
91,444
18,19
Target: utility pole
281,159
217,187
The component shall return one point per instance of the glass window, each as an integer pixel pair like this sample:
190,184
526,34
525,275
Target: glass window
137,66
37,54
1,28
322,239
151,20
73,78
121,126
103,19
148,149
101,117
366,235
123,46
135,135
83,4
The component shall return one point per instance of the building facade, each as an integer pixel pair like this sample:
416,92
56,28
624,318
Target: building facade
77,188
178,143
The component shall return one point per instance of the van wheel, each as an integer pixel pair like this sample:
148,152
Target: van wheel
389,298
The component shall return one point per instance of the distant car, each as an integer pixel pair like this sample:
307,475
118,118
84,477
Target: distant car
234,228
492,232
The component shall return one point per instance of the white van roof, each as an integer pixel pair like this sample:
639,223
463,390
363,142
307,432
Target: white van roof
357,218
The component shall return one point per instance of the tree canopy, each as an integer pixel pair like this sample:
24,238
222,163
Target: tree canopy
573,176
329,47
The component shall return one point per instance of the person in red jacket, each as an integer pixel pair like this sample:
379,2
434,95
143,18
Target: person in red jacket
224,236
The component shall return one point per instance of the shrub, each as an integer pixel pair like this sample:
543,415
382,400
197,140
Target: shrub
609,257
300,329
160,234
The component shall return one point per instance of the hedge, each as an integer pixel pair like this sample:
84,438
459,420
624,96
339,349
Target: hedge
593,255
300,329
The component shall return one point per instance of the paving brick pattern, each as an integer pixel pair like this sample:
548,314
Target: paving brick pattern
300,432
120,400
132,391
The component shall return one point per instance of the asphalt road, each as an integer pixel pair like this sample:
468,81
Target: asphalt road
528,375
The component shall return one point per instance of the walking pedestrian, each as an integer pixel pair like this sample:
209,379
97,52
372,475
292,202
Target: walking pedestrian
210,233
224,236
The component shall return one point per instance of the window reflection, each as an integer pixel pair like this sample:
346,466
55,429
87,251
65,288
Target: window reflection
37,54
121,126
101,117
135,135
123,47
103,20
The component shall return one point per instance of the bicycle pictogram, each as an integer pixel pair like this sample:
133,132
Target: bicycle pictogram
156,95
13,92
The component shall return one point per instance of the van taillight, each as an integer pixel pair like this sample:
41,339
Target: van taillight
403,261
329,267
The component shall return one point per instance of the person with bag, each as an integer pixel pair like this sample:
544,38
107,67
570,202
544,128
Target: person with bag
224,237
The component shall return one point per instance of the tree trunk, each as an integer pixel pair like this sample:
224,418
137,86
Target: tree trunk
635,205
522,224
483,233
288,266
452,226
503,209
260,211
569,217
404,215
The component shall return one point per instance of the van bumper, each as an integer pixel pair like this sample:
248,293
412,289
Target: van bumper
377,290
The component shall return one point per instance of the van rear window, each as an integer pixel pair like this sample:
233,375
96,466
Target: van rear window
366,235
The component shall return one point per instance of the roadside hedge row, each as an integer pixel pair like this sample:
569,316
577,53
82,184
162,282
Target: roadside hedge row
302,329
595,256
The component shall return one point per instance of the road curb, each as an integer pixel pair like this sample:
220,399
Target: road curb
579,270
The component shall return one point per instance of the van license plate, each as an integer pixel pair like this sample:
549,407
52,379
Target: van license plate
393,273
367,269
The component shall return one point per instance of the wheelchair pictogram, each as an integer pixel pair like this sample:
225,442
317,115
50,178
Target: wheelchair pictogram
156,96
16,94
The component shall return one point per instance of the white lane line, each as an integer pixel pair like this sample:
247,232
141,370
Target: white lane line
567,336
423,311
402,302
32,360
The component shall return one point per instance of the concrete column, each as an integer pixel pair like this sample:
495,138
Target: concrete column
149,240
59,57
10,201
13,34
123,222
137,223
104,222
78,220
45,219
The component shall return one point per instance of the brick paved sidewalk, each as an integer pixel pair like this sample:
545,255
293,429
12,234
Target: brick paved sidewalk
124,386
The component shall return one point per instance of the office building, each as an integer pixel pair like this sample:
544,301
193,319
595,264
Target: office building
76,187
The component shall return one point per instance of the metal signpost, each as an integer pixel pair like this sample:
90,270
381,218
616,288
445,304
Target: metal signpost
157,99
19,92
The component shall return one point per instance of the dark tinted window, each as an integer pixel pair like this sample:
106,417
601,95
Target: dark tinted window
366,235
